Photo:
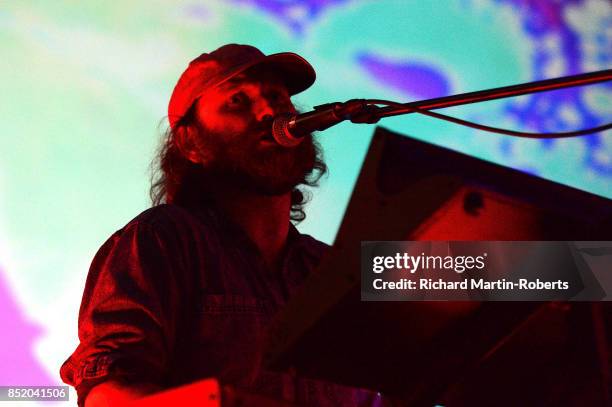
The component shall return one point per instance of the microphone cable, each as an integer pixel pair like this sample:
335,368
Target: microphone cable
402,108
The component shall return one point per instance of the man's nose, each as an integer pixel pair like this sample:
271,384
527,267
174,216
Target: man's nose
264,111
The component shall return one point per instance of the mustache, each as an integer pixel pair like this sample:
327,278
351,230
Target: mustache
265,123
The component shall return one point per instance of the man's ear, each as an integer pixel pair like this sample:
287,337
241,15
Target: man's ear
185,140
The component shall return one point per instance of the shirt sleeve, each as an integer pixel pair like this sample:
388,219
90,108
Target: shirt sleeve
129,312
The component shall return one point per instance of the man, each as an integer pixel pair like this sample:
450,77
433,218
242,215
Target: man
186,289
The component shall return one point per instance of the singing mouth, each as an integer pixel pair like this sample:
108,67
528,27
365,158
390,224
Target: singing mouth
267,136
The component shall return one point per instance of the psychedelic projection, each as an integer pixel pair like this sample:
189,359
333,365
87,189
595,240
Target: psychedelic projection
85,87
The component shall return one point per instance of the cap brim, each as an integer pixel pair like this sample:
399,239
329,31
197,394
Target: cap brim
293,70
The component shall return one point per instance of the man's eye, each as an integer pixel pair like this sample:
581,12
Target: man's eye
238,100
277,97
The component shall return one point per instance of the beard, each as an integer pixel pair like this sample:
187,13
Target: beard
245,163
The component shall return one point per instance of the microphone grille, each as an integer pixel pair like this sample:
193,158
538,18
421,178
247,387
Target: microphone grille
280,131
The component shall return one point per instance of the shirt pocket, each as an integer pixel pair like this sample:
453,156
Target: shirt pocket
230,336
232,304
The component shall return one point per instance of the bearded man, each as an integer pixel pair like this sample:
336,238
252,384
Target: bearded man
186,289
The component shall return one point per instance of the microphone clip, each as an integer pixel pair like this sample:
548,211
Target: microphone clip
355,110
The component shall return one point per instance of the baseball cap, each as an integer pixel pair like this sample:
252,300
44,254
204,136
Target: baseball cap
216,67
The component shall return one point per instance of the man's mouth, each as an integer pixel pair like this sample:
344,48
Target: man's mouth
267,137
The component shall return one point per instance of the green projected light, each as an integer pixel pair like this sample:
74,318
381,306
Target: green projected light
85,87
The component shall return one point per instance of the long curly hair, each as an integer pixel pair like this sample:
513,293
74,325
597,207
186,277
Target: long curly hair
176,180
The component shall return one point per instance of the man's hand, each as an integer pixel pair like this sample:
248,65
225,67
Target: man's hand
113,393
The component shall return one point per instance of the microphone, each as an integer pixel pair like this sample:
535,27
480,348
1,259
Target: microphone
289,129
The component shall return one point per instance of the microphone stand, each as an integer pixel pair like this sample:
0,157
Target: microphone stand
370,114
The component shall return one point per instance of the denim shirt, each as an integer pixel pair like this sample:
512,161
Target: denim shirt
182,294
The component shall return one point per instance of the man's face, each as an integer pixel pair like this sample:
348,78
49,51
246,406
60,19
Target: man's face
234,137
